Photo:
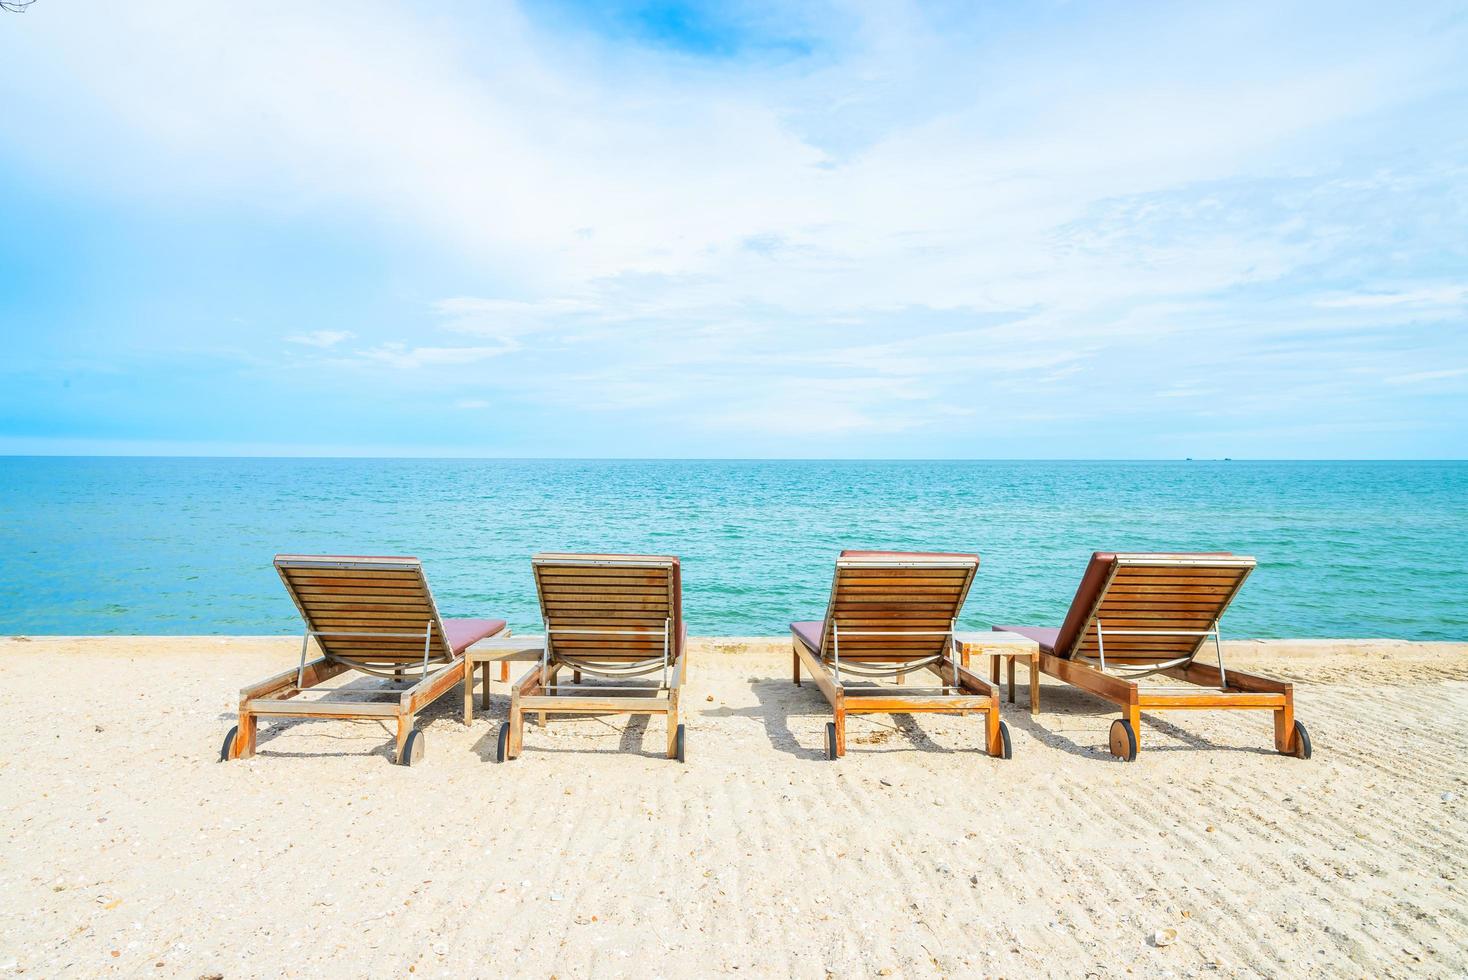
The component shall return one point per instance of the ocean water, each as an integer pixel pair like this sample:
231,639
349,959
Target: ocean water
183,546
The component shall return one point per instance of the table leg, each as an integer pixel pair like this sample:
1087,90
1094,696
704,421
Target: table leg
1011,679
994,669
468,693
1034,683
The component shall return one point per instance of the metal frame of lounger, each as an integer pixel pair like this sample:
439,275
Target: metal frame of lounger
1147,670
283,695
893,669
609,669
964,693
1209,687
538,691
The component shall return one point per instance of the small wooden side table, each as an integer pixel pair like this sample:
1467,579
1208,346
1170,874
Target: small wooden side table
1000,646
495,650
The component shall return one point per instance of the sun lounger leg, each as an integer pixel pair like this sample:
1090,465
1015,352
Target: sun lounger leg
405,725
245,739
795,664
517,726
673,724
517,732
553,673
1284,726
532,684
840,732
575,677
992,737
468,693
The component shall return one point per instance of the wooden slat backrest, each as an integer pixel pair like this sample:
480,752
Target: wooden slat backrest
637,594
895,593
348,594
1187,592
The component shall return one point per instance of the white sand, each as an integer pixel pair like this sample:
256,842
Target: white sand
129,850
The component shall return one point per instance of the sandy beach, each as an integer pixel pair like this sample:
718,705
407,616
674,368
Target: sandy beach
129,850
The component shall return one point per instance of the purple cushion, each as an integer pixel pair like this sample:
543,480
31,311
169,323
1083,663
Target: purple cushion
462,632
1043,635
809,634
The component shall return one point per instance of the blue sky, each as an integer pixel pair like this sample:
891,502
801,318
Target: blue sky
668,229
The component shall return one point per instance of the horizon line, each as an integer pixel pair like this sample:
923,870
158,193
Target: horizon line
752,459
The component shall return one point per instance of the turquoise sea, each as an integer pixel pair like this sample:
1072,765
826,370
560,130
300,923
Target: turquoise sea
155,545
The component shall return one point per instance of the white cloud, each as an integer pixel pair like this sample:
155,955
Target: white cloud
475,306
1445,298
565,169
506,318
321,338
821,407
1418,377
405,358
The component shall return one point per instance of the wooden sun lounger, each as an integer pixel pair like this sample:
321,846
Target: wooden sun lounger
1136,615
611,616
371,616
890,614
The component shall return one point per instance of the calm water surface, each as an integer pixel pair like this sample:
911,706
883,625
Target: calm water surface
118,545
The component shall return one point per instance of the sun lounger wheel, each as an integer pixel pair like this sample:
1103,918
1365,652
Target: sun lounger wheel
679,738
831,740
1301,745
412,749
502,744
1123,740
1008,752
226,752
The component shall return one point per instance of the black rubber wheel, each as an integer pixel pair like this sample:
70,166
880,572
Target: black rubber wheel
831,740
679,741
226,751
502,744
1008,752
1123,740
412,749
1301,749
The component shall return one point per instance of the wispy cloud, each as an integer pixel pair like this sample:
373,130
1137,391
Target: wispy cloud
1442,298
512,318
321,338
1419,377
402,357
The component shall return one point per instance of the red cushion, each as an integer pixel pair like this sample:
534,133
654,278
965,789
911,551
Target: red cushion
461,633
